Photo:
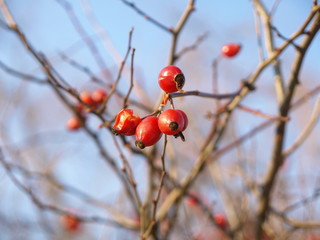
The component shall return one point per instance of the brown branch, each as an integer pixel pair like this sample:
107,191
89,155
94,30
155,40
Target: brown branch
96,79
127,170
155,201
261,114
49,207
21,75
119,218
177,193
270,47
194,46
300,224
277,156
125,101
147,17
176,31
115,84
203,94
89,42
56,86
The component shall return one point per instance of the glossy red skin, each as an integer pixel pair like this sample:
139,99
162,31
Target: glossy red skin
168,116
70,223
166,78
185,118
98,96
220,220
126,123
73,123
230,49
148,131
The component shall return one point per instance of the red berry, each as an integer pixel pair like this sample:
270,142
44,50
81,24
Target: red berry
86,98
70,223
171,122
192,200
185,118
230,49
171,79
74,123
126,123
98,96
220,220
148,132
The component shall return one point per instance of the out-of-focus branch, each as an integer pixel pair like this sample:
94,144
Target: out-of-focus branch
306,131
125,100
302,202
194,46
96,79
258,33
302,224
7,15
146,16
115,84
261,114
176,31
118,217
277,156
56,86
24,76
177,193
100,31
155,201
50,207
262,65
269,41
90,44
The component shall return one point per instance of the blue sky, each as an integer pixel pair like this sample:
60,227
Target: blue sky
50,31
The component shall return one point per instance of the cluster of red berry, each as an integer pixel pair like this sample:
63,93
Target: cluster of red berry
92,100
149,130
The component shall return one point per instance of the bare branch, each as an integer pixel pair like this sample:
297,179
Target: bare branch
147,17
115,84
194,46
125,101
21,75
277,157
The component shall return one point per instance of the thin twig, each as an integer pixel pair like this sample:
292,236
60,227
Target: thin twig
84,35
203,94
157,198
269,42
125,101
48,207
306,131
261,114
277,156
176,31
127,170
94,78
258,33
115,84
146,16
122,220
194,46
24,76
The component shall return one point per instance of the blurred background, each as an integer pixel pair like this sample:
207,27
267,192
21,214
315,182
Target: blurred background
95,34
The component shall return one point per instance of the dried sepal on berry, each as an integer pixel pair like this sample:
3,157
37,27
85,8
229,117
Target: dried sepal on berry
126,123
